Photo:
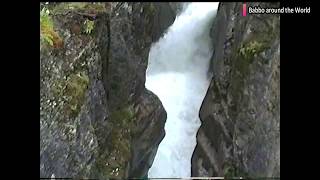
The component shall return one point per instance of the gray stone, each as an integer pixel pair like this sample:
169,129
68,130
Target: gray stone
240,114
97,120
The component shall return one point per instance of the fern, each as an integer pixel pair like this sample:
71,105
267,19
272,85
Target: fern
89,25
49,39
45,19
47,33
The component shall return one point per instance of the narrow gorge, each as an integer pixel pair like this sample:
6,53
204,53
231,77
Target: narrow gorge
158,90
178,74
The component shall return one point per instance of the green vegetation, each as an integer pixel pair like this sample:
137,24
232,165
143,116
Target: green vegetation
246,54
73,91
46,26
76,86
120,137
243,59
113,164
122,116
231,171
89,25
79,6
47,33
150,9
249,50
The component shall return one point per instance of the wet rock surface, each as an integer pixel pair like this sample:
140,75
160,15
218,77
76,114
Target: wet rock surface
240,114
97,120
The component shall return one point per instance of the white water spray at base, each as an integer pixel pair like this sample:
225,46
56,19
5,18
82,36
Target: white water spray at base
177,74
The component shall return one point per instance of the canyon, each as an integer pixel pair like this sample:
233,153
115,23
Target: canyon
106,108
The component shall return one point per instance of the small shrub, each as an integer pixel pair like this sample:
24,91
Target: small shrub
89,25
252,48
47,33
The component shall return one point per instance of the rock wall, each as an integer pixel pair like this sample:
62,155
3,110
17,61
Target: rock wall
240,114
97,120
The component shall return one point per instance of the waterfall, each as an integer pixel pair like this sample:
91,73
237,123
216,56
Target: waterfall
177,74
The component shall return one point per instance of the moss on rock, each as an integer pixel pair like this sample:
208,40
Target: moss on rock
76,87
72,91
250,49
79,6
114,163
231,171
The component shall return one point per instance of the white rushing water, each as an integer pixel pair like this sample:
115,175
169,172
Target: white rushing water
177,74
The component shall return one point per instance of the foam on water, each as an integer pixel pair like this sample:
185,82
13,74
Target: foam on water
177,74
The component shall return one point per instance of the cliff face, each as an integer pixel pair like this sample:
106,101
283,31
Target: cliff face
240,114
96,118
